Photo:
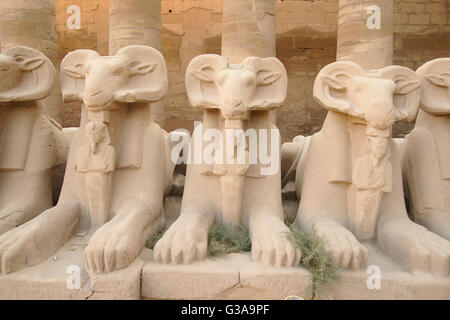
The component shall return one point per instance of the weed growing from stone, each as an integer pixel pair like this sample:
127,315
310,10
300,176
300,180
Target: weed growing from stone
153,240
315,259
224,240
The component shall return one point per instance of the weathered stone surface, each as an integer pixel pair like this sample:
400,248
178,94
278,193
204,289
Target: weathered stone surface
237,277
49,280
229,277
395,283
124,284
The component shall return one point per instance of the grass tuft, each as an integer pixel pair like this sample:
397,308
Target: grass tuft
153,240
315,259
224,240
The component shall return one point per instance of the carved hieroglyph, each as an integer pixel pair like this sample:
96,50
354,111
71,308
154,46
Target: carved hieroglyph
351,184
231,188
31,143
119,164
426,160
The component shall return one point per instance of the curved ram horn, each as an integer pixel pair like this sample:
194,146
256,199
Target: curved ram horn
36,78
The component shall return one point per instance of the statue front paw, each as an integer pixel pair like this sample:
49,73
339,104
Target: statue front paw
270,244
11,218
18,248
37,239
415,247
113,247
186,241
345,250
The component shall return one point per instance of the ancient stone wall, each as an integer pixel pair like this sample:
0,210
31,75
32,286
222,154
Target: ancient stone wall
306,42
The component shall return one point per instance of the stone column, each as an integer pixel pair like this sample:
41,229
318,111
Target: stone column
32,24
137,22
248,30
371,48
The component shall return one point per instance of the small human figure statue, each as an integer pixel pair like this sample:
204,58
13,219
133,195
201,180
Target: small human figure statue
372,173
97,160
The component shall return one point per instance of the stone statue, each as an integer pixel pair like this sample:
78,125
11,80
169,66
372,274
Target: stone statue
119,165
426,160
351,188
31,143
233,186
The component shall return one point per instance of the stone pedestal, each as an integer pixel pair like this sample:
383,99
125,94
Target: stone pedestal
237,277
48,280
228,277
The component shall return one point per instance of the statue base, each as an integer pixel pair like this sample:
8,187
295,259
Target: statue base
234,276
63,276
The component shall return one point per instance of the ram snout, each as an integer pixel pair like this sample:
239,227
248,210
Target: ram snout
236,88
104,77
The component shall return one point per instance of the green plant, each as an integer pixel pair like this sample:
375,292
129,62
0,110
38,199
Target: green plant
153,240
225,240
315,259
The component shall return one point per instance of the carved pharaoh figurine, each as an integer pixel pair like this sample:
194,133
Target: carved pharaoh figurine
31,143
233,186
426,160
119,165
350,173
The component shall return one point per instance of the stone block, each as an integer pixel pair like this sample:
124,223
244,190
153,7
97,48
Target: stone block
237,277
48,280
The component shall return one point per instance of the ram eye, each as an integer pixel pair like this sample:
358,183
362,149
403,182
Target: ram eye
118,71
4,68
250,82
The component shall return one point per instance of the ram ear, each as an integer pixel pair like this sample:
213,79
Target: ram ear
38,75
74,72
330,87
436,80
200,80
266,77
405,87
148,75
31,64
435,92
407,93
271,82
140,68
73,75
334,82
